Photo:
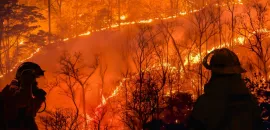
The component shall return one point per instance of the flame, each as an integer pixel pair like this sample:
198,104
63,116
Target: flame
31,55
88,118
85,34
183,13
240,2
115,92
194,59
263,30
240,40
123,17
168,93
146,21
21,43
103,100
66,39
98,109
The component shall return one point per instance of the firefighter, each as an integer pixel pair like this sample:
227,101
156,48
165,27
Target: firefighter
227,103
22,98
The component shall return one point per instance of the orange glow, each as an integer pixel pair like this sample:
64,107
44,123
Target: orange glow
193,59
31,55
123,17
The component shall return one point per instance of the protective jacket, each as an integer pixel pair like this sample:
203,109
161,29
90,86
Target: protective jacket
226,105
19,105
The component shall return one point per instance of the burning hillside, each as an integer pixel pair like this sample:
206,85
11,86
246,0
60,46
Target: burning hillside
110,62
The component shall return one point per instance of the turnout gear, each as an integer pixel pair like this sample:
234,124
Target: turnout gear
223,61
22,98
227,103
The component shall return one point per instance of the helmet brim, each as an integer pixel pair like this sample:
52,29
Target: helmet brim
42,73
39,74
229,70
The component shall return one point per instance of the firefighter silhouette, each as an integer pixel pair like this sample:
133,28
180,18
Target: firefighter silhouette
21,99
227,103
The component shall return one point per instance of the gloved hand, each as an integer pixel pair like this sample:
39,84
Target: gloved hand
40,94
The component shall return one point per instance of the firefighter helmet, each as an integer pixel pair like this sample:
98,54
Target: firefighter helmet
37,71
223,61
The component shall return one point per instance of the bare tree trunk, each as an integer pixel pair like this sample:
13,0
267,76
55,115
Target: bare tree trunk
76,114
84,102
16,56
72,72
176,7
8,51
265,70
76,19
220,25
172,7
231,8
49,15
140,89
60,8
98,125
119,12
200,69
60,2
232,20
102,73
1,39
